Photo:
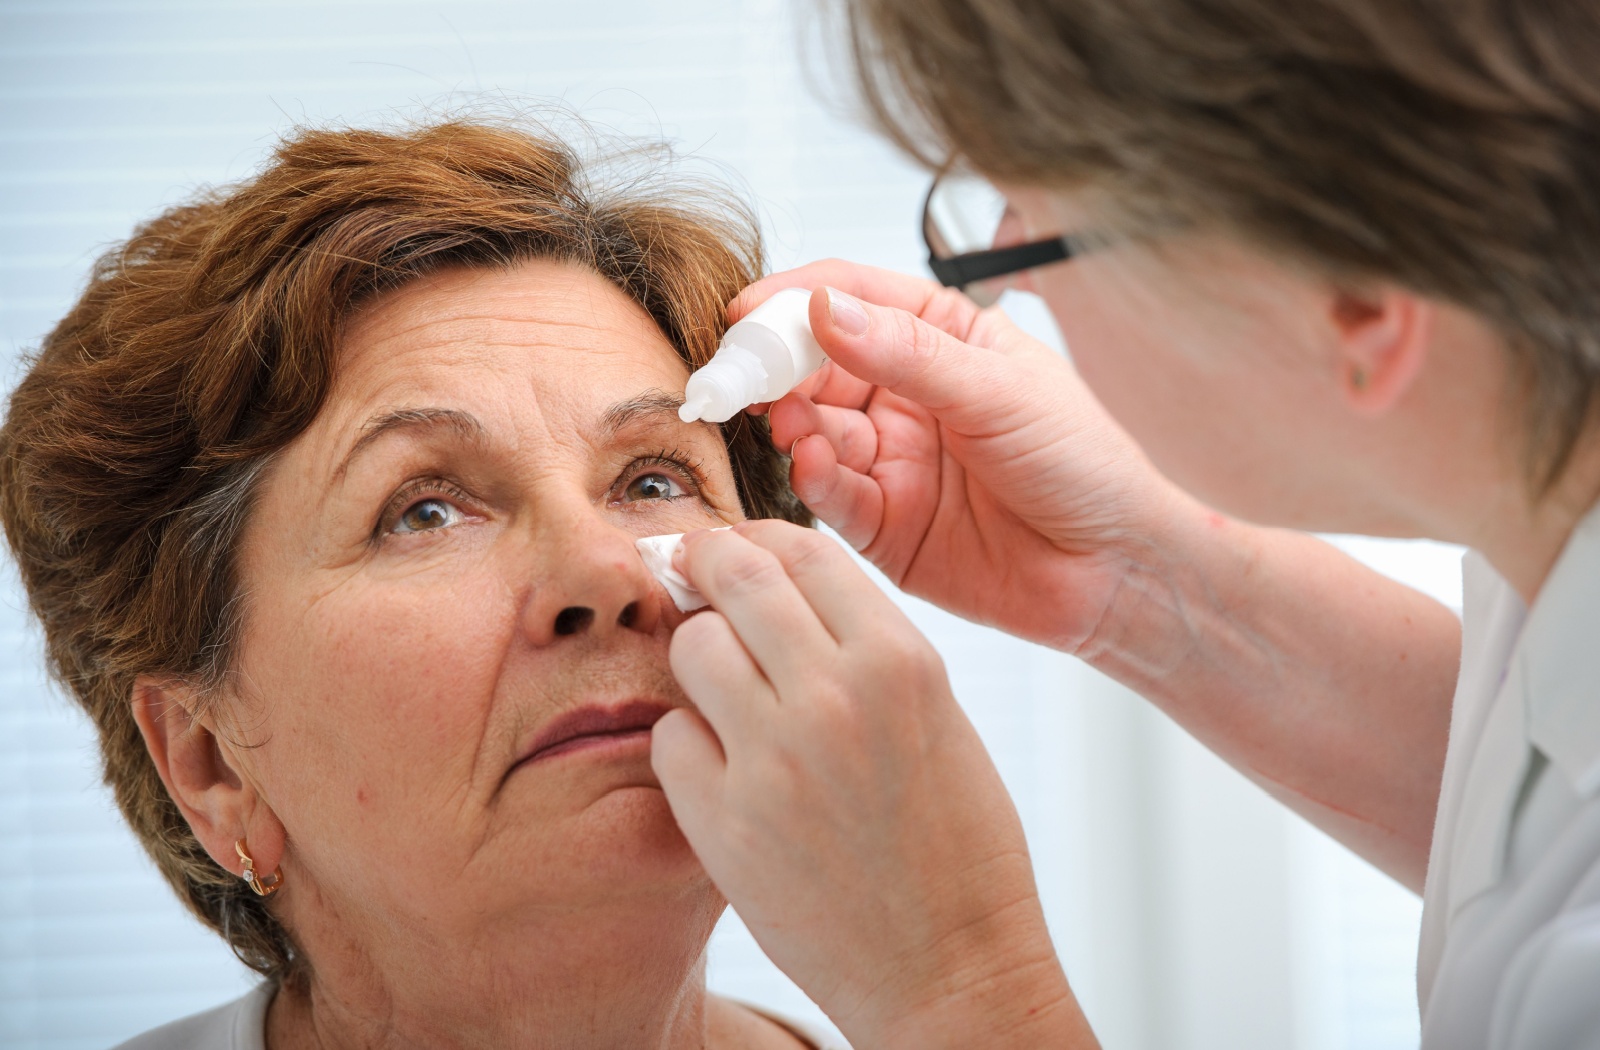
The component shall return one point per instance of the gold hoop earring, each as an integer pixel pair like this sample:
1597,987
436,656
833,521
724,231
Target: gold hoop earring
263,889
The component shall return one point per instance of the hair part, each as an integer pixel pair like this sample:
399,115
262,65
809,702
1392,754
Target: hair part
1453,149
134,446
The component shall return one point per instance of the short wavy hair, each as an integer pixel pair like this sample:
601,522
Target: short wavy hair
209,340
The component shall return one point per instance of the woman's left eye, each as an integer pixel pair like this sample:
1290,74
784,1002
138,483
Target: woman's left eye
653,486
427,515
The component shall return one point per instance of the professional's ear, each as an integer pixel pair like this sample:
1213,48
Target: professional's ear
203,778
1384,335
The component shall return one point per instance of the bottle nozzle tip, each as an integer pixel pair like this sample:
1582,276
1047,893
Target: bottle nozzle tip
692,408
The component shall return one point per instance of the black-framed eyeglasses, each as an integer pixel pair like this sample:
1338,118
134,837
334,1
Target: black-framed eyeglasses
963,219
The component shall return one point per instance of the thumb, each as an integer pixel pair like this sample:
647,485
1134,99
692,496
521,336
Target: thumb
688,760
958,382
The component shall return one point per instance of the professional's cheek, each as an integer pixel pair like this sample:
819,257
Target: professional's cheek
1108,346
1150,369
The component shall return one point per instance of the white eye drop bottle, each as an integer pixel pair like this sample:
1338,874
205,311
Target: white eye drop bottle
760,359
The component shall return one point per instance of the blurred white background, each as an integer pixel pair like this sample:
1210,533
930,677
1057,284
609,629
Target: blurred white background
1191,911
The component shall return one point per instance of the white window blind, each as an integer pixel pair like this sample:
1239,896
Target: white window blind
1190,910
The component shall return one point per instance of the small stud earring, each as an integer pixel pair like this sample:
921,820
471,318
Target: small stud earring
263,889
1358,378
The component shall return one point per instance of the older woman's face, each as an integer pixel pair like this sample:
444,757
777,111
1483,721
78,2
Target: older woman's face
453,653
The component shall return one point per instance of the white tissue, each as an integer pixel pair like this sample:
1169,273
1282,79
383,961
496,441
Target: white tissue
657,552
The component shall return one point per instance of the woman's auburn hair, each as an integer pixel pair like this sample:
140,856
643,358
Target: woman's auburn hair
209,340
1451,148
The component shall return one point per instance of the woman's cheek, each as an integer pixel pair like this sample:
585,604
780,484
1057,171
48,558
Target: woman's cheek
386,686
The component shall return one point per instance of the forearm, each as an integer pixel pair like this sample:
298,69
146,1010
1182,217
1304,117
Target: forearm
1328,683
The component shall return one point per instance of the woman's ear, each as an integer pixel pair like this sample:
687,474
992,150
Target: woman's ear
1383,336
220,804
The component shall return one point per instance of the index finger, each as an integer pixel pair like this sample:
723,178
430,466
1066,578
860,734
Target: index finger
750,589
828,385
941,307
844,598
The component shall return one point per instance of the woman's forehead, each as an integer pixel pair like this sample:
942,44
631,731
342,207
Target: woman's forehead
553,331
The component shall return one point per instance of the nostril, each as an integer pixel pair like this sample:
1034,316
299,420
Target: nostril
629,615
574,619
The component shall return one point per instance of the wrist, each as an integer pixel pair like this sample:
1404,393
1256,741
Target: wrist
1179,562
998,984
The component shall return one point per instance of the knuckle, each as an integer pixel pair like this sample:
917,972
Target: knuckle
903,656
763,531
949,309
813,553
799,550
923,340
858,447
748,572
692,631
833,712
743,834
668,743
705,631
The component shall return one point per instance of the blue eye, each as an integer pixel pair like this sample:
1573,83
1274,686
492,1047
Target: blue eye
427,515
647,487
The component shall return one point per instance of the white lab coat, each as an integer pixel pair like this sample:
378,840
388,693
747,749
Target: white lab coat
1510,951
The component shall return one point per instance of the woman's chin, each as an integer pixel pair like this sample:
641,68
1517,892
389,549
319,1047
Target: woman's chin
625,840
637,821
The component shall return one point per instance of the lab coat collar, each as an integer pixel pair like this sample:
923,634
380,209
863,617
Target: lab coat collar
1558,661
1548,696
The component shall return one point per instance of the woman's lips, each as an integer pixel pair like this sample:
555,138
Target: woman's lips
626,724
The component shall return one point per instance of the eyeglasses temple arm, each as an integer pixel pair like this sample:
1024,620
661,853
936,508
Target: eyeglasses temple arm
970,267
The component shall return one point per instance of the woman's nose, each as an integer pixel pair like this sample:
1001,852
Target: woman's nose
593,583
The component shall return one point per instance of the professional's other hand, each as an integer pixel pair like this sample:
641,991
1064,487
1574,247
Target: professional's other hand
973,466
962,457
839,797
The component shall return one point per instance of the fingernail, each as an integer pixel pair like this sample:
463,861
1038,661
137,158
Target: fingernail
677,558
846,313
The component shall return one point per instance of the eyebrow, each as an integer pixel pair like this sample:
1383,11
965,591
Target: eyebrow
652,406
464,423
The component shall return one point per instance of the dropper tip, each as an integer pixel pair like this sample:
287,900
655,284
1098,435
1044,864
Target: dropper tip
691,409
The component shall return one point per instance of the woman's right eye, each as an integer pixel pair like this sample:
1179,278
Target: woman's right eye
427,515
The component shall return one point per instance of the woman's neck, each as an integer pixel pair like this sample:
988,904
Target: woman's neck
615,981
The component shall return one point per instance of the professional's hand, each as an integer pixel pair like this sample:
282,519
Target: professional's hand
839,797
962,457
973,466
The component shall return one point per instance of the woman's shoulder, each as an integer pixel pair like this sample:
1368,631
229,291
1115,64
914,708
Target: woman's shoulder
239,1025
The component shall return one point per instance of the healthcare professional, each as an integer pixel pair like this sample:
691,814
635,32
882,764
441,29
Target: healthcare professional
1322,265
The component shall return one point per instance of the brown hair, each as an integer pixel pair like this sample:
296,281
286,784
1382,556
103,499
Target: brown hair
1451,148
209,340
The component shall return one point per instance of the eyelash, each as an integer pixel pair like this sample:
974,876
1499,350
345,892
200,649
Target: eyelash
688,468
413,492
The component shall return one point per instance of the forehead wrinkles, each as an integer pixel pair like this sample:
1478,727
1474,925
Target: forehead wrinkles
545,349
555,296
